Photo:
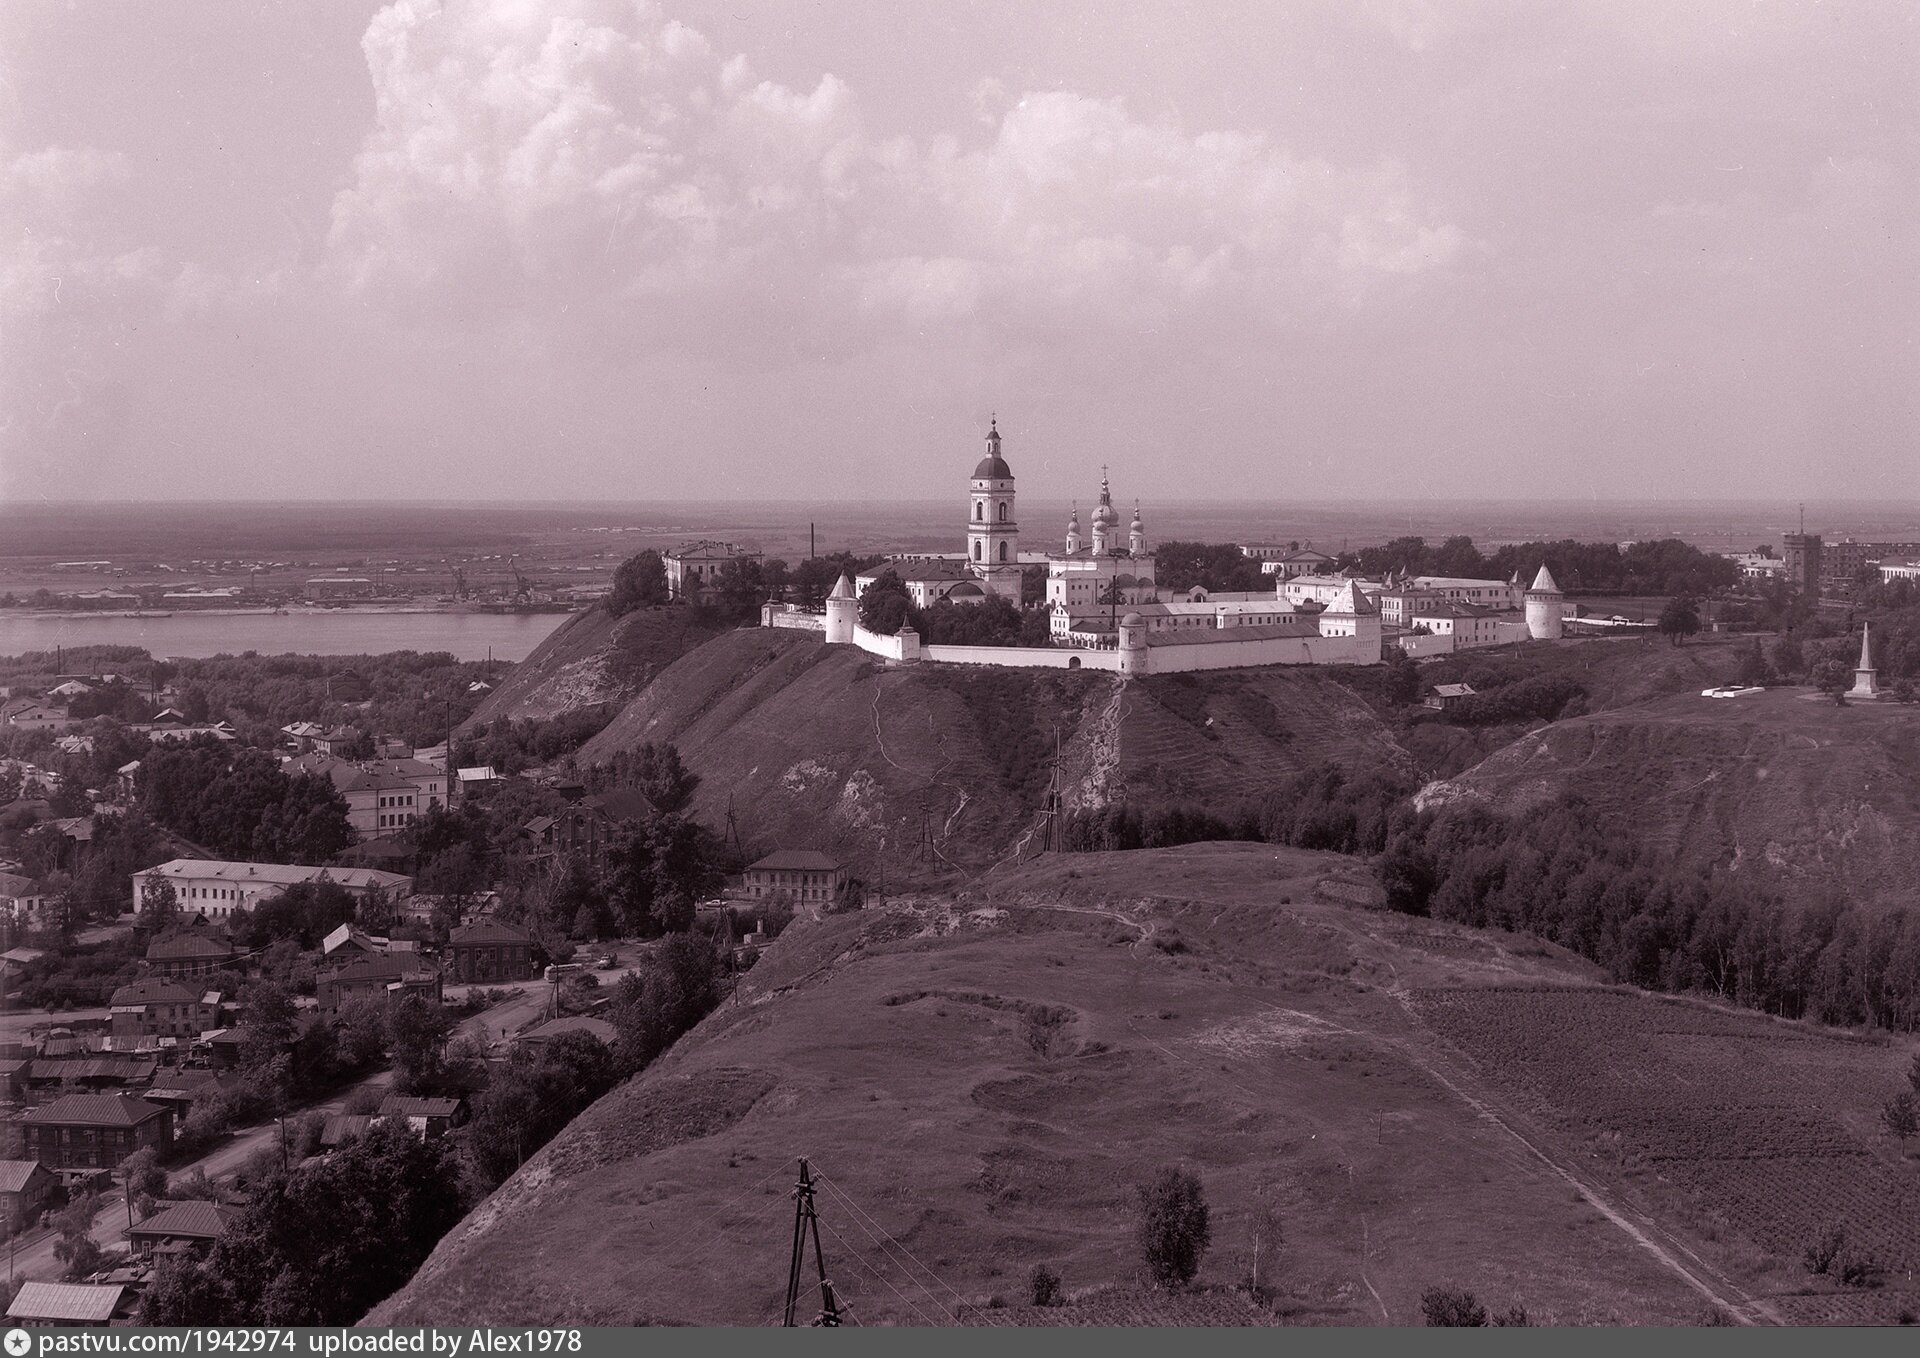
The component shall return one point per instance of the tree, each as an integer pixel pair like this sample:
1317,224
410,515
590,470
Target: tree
675,988
884,606
639,582
143,1178
1043,1285
1753,665
668,783
159,902
1913,1074
1452,1306
363,1033
76,1248
1174,1226
1403,678
1680,619
1833,678
1788,659
418,1032
270,1025
324,1243
1900,1115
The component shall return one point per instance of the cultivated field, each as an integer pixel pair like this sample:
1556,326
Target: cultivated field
1757,1134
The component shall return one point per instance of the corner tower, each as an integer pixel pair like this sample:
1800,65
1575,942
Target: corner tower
1545,609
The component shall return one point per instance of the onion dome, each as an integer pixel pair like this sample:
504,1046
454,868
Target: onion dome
993,467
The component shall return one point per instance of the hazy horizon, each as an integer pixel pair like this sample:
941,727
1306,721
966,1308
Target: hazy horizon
1338,253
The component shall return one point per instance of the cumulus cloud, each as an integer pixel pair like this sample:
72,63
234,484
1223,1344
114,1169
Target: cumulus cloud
598,154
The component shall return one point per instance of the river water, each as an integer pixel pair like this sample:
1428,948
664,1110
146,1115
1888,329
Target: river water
469,636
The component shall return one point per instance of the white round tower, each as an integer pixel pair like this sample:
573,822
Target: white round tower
1073,530
1545,607
843,610
1137,533
1133,644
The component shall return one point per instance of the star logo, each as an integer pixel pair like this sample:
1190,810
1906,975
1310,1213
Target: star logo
18,1342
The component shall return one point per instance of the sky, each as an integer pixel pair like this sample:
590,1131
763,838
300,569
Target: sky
535,250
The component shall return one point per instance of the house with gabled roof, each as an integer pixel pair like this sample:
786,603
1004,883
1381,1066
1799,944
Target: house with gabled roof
799,874
487,951
44,1305
189,1227
93,1131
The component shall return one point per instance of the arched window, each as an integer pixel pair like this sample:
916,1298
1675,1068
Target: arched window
976,551
1003,551
977,515
1073,662
1003,511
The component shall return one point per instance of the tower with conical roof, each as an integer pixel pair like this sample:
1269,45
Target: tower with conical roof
1073,529
843,610
993,536
1866,679
1546,607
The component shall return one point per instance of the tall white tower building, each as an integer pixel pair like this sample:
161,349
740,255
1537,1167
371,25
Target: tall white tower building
993,535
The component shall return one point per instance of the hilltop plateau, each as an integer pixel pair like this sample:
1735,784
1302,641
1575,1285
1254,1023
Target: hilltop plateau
1782,784
980,1079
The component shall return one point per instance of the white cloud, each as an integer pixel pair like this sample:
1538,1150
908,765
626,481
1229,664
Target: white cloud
594,156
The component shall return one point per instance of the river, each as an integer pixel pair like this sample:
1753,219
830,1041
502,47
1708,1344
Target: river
187,636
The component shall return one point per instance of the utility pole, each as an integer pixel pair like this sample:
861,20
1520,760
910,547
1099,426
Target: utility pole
806,1223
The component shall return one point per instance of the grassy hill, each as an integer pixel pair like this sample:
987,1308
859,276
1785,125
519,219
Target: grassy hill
592,658
943,768
1782,784
982,1078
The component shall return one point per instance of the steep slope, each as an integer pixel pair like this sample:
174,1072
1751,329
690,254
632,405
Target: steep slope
1783,785
980,1084
936,768
592,658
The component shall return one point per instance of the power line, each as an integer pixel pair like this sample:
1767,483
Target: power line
932,1298
867,1223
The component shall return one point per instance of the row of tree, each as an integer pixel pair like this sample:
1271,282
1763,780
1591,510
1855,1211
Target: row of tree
1560,874
1661,566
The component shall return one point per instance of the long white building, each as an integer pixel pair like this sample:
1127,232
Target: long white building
216,889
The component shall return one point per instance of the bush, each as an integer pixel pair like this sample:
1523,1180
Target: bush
1453,1307
1824,1249
1043,1285
1174,1227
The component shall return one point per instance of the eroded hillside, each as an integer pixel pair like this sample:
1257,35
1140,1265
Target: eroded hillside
946,767
1783,785
591,659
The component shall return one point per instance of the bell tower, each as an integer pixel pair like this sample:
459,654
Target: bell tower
993,536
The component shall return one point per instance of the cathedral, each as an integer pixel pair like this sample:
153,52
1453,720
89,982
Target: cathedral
1093,574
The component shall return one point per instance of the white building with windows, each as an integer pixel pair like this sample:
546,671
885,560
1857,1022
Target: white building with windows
215,888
